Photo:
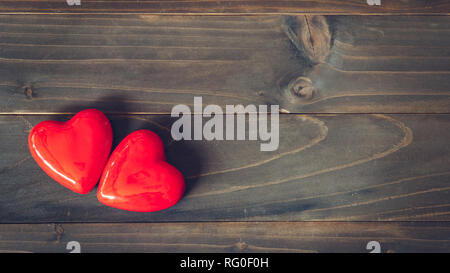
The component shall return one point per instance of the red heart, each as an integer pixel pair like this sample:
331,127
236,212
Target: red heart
138,178
74,152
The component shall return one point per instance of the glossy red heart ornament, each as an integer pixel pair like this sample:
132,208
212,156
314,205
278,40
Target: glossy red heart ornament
137,176
75,152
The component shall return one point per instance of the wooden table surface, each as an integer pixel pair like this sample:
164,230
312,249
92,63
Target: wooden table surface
364,151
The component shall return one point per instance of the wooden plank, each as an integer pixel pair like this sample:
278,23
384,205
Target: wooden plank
327,168
231,237
228,7
62,63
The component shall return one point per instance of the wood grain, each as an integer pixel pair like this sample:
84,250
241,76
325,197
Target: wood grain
231,237
368,158
327,168
63,63
229,7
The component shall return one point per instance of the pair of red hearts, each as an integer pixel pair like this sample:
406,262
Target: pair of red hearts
136,176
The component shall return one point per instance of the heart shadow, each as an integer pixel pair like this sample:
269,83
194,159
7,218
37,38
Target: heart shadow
181,154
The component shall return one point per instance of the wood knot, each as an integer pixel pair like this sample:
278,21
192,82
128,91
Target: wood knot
296,91
311,35
59,230
241,246
302,87
28,92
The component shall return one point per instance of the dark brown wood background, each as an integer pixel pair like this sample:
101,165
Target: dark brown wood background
230,7
364,130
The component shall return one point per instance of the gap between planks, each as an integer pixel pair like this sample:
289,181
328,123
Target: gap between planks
233,14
